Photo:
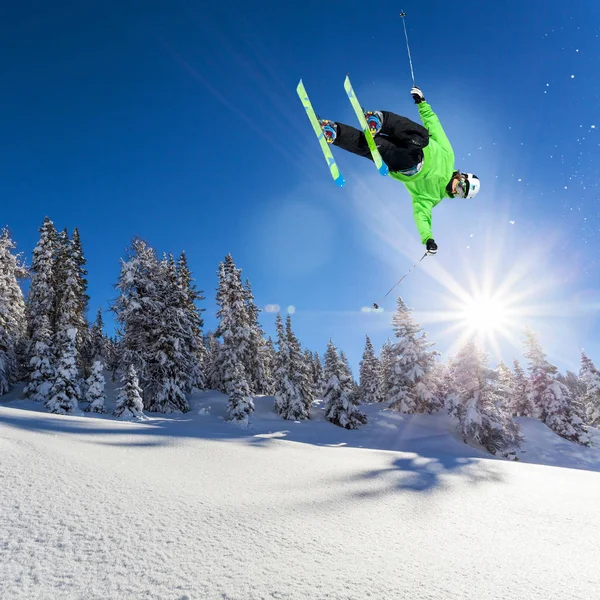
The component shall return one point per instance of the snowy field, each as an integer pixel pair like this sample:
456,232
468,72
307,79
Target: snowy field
192,507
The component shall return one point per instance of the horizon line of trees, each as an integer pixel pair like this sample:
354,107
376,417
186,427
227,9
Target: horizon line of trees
161,353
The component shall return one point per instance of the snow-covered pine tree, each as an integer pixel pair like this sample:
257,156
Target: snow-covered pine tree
387,360
12,313
308,370
590,378
138,310
370,376
98,340
169,361
62,254
409,392
270,357
289,402
472,402
41,363
80,275
505,388
241,403
113,357
300,368
212,370
41,299
129,403
192,336
95,388
551,398
259,376
65,393
318,375
339,406
521,403
348,375
234,330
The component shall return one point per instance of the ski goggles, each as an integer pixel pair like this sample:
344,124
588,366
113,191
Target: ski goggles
462,188
413,170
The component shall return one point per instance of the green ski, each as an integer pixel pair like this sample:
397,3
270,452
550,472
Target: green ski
312,117
381,166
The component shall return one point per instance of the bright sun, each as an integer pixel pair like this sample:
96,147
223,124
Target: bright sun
485,315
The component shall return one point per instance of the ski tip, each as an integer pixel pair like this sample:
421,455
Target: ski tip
383,170
340,181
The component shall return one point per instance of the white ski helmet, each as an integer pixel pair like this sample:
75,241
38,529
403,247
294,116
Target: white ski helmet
468,186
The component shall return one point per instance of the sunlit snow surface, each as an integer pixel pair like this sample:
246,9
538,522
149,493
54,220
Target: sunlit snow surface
192,507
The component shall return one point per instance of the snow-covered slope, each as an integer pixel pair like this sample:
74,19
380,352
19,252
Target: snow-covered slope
194,507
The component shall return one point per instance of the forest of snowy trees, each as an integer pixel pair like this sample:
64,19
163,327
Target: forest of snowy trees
160,354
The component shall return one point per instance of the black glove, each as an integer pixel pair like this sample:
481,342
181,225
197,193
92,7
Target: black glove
431,246
417,94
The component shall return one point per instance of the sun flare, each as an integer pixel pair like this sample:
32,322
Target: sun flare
485,315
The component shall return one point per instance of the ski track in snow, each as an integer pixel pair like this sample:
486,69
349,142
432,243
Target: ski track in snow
188,507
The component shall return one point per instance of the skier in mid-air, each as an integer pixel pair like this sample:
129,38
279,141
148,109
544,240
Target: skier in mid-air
420,156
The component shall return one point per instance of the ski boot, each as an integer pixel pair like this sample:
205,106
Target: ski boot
329,130
374,121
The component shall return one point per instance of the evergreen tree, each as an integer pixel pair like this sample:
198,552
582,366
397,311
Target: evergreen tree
311,388
137,308
41,363
473,403
270,361
129,403
212,372
62,262
192,336
80,275
113,357
234,325
339,406
521,403
241,403
505,388
590,379
171,368
289,401
259,375
318,375
98,340
153,312
300,367
95,384
370,376
551,398
12,313
388,358
409,392
65,392
41,297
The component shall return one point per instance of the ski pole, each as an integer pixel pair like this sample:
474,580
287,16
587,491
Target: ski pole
403,15
376,304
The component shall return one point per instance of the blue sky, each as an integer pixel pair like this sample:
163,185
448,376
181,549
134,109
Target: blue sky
179,122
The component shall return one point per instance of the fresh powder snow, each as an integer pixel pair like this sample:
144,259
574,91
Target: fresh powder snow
190,506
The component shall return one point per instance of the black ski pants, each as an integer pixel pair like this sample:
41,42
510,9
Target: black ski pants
400,141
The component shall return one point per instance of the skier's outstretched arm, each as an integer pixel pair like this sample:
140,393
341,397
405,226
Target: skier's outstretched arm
422,207
431,120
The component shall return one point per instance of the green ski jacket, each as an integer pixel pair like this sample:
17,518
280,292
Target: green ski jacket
428,187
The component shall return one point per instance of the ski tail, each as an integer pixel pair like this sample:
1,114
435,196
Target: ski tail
381,166
312,117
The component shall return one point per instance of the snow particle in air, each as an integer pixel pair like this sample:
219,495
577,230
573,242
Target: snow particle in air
572,76
291,309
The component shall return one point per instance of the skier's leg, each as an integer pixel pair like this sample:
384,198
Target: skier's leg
353,140
403,131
